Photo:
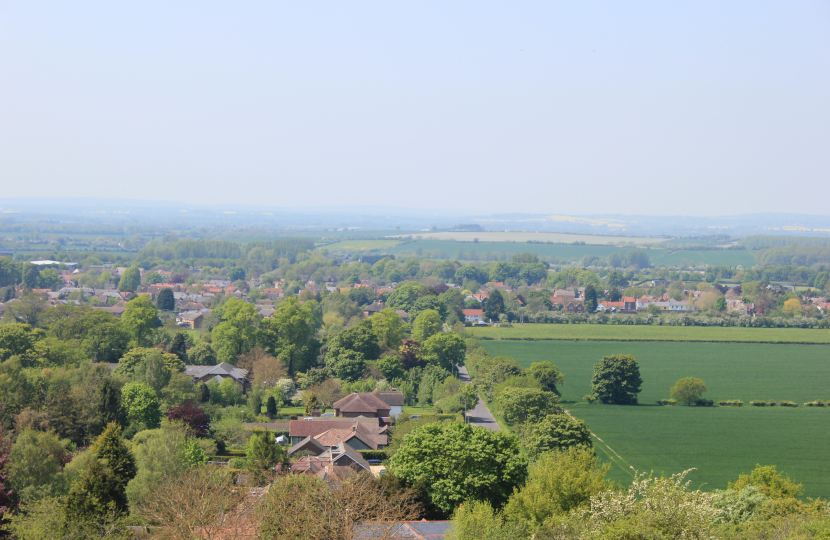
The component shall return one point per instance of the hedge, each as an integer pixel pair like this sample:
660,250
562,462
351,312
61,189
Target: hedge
374,454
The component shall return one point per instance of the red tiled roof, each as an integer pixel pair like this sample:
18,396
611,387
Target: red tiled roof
312,428
473,312
361,403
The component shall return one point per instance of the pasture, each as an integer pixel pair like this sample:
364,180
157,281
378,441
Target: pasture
518,236
361,245
618,332
721,442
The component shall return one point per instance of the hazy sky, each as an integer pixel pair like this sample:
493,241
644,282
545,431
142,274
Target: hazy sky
561,107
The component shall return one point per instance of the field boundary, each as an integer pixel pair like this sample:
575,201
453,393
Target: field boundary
766,342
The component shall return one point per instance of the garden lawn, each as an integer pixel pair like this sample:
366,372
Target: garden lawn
721,442
621,332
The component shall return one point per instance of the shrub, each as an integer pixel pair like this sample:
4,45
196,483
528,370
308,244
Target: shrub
374,454
816,403
788,404
731,403
757,403
771,403
666,401
590,398
704,403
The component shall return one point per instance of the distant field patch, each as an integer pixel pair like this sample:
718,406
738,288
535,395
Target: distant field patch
721,442
483,251
539,236
604,332
718,257
361,245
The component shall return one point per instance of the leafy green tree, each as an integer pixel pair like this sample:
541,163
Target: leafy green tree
428,302
289,334
154,371
547,374
637,258
30,276
688,390
348,366
444,350
458,462
65,418
202,354
406,294
469,397
235,273
159,453
554,432
263,454
141,404
34,464
558,482
139,320
165,299
617,379
130,280
494,305
522,405
720,303
152,278
179,347
237,333
391,367
359,338
135,362
17,339
426,325
389,327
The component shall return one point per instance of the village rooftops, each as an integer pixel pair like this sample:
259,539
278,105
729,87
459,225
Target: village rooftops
364,404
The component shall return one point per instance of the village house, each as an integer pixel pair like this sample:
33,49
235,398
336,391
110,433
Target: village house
362,404
219,373
191,319
473,315
361,432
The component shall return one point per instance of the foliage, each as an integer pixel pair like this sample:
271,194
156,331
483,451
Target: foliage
426,325
348,366
617,379
522,405
770,483
139,320
476,520
237,333
554,432
547,374
193,416
444,349
158,453
179,347
263,454
202,354
389,327
130,280
688,390
558,483
141,404
494,305
165,300
289,334
486,465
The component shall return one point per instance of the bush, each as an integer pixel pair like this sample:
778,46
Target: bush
704,403
374,454
590,398
788,404
731,403
757,403
771,403
816,403
666,401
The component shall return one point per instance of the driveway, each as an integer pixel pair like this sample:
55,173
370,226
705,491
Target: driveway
480,415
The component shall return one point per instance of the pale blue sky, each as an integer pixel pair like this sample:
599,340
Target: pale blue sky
570,107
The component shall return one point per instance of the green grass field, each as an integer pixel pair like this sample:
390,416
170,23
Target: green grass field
721,442
613,332
518,236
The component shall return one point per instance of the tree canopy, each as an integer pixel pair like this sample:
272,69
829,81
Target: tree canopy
617,379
